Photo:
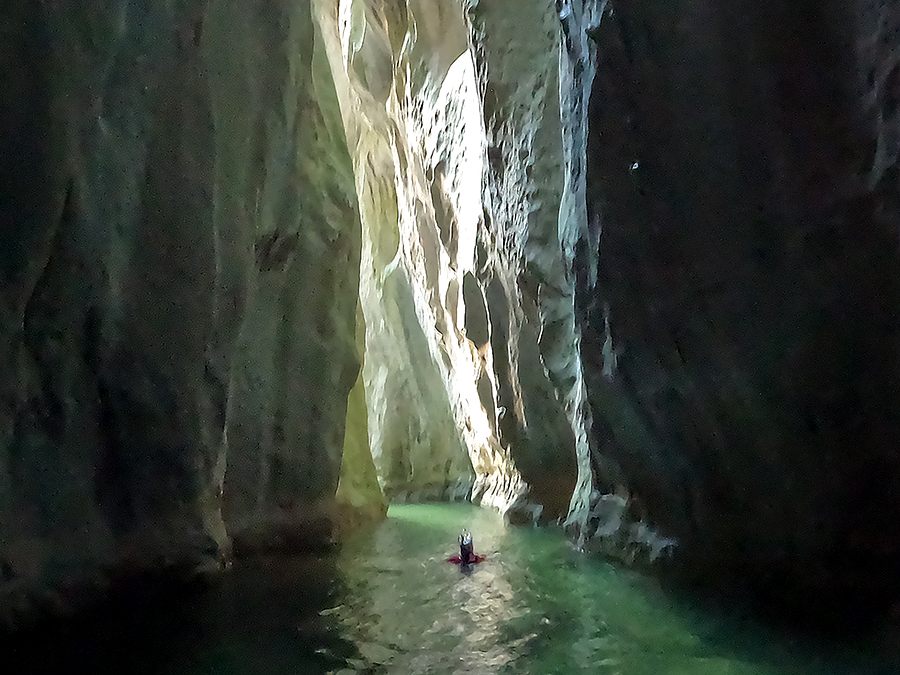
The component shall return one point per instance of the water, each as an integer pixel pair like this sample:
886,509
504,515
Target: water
389,603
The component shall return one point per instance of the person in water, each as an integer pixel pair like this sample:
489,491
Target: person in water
467,555
466,548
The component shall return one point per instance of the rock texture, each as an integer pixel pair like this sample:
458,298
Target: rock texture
679,295
625,266
740,315
420,371
181,246
360,498
472,373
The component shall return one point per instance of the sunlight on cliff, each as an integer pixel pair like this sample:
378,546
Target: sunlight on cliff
414,122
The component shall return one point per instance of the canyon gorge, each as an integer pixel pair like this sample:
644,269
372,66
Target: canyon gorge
627,269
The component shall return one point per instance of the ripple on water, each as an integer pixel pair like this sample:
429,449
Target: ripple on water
390,604
536,606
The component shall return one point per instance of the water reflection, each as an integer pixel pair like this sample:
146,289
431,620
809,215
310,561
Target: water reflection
536,606
390,603
435,617
269,617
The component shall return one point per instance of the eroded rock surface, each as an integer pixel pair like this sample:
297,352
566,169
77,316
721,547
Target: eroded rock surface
472,370
180,262
740,319
685,254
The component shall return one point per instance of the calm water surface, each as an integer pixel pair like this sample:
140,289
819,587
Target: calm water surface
388,603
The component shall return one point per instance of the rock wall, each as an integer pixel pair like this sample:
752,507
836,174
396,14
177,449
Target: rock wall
411,114
629,267
360,498
740,313
677,304
526,255
180,254
472,374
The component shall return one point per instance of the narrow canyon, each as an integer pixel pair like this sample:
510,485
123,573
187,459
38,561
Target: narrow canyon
624,269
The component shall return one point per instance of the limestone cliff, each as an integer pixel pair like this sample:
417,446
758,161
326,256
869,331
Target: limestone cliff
472,373
180,255
672,285
420,371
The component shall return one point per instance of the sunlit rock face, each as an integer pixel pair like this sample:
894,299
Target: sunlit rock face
180,254
360,498
471,372
740,312
414,407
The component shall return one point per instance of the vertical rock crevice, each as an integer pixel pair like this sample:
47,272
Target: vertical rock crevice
453,114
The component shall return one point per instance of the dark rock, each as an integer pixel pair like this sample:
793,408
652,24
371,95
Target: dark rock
180,257
746,281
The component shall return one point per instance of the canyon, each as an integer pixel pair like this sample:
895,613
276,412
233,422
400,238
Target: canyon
628,269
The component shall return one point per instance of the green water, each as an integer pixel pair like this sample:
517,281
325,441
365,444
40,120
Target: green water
389,603
537,606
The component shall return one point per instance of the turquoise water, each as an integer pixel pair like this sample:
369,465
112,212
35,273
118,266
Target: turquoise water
537,606
389,603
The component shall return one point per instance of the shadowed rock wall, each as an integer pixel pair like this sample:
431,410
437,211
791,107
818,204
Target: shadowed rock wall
740,314
180,250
